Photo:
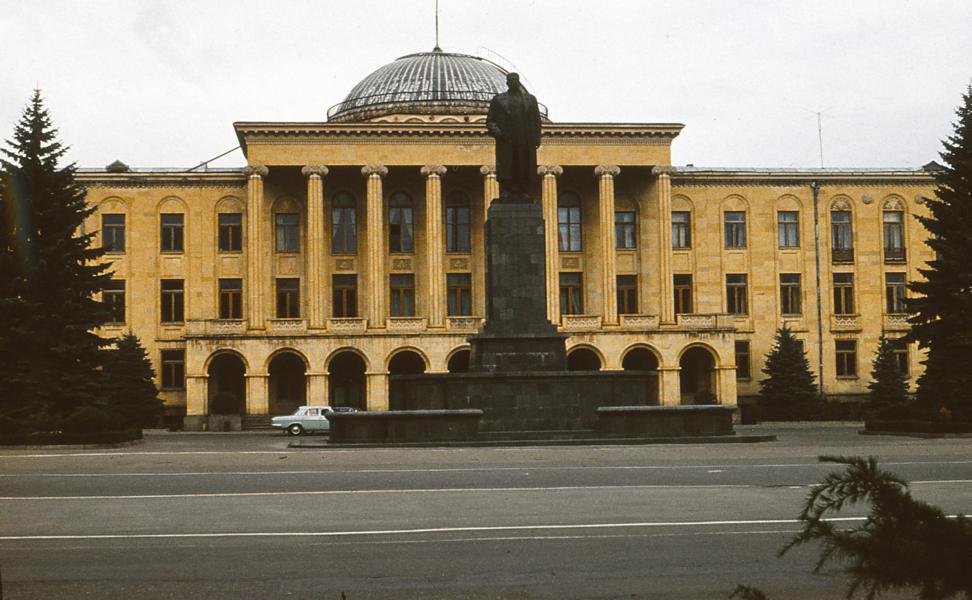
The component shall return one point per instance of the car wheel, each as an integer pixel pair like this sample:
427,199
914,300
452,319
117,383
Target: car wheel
295,429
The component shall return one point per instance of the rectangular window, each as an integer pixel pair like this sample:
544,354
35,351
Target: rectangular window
894,250
287,232
569,225
171,232
288,298
743,367
173,301
790,294
345,301
841,240
627,294
401,232
173,369
459,290
403,295
844,293
846,358
681,229
571,294
113,233
894,287
114,299
683,294
457,229
343,226
789,228
230,298
736,294
624,231
230,232
901,356
735,229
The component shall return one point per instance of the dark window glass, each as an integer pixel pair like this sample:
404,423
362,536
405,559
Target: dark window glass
401,230
174,369
841,239
459,289
895,287
287,232
627,294
735,229
402,295
743,366
344,219
457,222
894,250
173,300
681,229
789,229
683,294
843,293
288,298
230,232
345,302
230,298
113,233
624,230
171,232
900,349
569,223
571,294
736,294
846,351
790,294
114,299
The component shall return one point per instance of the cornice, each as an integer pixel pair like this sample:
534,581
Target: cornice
98,179
802,178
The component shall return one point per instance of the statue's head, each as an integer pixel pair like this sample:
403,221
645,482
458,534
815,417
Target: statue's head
513,81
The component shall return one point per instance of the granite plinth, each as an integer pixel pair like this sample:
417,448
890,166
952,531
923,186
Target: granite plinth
666,421
404,427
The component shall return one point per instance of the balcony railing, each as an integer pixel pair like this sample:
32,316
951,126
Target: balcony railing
580,321
405,323
286,326
465,323
845,322
842,255
896,322
706,321
347,325
215,327
639,321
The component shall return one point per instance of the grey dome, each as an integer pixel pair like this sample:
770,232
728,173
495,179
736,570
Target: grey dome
434,82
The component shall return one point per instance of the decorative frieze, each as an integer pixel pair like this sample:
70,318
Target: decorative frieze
344,264
401,264
458,264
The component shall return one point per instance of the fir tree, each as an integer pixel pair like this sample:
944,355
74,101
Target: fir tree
942,311
788,392
133,394
50,357
889,387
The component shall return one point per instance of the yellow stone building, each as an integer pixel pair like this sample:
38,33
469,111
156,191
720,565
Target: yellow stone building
350,249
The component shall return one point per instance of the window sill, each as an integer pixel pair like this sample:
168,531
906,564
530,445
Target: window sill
172,389
172,252
232,252
848,377
287,252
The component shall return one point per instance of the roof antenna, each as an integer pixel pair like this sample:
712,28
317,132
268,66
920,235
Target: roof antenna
437,48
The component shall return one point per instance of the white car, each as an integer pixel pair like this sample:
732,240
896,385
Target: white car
307,419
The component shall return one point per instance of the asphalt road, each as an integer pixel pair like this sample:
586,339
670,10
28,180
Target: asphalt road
243,516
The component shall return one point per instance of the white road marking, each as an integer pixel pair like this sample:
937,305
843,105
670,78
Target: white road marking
372,532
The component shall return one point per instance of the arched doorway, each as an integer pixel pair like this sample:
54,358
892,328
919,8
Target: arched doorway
643,359
583,359
288,383
697,377
227,385
406,362
459,362
346,380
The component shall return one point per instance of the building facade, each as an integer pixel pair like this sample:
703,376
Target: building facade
352,249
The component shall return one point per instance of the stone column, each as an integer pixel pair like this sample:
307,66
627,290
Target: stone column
316,248
548,197
609,283
666,285
669,386
491,189
377,390
316,389
375,264
434,244
254,245
257,393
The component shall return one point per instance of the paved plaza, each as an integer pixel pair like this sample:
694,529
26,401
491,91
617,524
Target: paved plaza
244,516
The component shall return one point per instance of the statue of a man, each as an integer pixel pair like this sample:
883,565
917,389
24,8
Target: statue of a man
514,120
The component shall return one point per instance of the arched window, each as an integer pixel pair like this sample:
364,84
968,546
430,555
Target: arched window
457,222
343,224
569,222
841,232
893,222
400,224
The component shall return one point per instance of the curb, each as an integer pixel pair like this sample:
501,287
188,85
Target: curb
74,446
736,439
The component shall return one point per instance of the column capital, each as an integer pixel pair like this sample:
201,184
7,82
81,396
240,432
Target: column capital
379,170
552,170
429,170
487,170
662,170
257,170
311,170
610,170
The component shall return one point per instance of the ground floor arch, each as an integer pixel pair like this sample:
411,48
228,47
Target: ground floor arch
287,383
406,362
226,393
459,361
346,380
583,358
641,358
698,377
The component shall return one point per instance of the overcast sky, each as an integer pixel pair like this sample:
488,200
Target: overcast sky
159,84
